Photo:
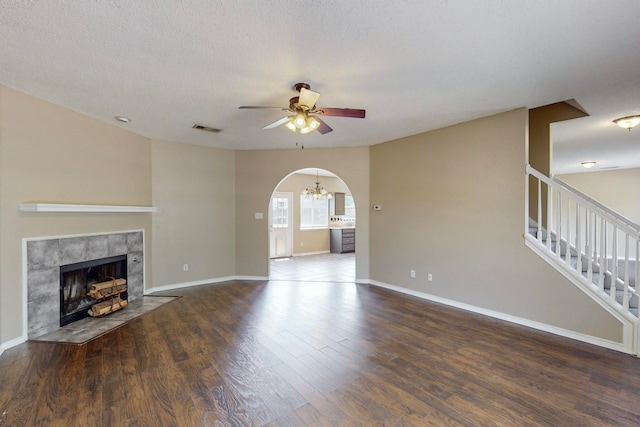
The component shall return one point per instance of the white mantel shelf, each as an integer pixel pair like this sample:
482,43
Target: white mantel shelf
63,207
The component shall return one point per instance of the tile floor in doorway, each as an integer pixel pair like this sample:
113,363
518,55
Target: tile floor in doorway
315,268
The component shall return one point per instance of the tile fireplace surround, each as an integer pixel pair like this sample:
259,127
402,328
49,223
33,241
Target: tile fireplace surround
42,258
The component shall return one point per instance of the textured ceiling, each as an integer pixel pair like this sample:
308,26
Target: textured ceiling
413,65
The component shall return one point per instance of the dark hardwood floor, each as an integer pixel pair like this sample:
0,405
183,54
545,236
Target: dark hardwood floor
319,354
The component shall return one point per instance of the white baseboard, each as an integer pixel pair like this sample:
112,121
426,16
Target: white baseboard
11,343
250,278
601,342
310,253
200,283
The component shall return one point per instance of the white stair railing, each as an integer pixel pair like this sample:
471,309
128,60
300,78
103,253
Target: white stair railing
600,246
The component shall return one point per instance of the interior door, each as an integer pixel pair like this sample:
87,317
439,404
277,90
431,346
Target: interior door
281,225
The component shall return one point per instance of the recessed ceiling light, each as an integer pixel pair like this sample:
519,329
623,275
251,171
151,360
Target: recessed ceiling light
122,119
588,165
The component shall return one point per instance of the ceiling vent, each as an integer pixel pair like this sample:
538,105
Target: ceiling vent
206,128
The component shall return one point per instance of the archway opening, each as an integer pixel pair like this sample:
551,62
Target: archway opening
312,237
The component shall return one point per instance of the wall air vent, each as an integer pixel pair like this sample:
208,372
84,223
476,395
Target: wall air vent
206,128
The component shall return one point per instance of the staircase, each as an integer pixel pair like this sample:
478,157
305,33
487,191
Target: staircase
593,246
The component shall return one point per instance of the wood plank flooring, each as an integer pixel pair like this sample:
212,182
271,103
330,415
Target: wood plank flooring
316,354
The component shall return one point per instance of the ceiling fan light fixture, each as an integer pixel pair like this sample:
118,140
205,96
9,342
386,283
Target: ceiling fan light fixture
300,120
306,129
588,165
628,122
313,123
291,126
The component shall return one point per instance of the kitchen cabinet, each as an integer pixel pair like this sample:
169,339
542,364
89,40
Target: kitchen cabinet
342,240
336,204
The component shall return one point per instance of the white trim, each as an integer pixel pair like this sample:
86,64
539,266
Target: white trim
311,253
11,343
621,347
25,294
64,207
64,236
259,278
201,282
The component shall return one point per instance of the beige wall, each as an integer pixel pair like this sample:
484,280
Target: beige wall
258,174
309,241
452,205
194,225
617,189
51,154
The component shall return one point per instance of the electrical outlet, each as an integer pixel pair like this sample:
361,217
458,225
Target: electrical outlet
430,277
413,273
185,267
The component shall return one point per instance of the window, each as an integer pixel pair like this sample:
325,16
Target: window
349,207
279,212
314,213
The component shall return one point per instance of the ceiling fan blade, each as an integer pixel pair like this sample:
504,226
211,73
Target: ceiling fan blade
277,123
323,128
343,112
308,98
257,107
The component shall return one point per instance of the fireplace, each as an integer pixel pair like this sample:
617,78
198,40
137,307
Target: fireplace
76,281
43,258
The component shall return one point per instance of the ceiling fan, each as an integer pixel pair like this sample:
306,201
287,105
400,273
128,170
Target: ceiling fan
304,113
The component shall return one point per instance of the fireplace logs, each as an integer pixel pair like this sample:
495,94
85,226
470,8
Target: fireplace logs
108,306
107,289
109,292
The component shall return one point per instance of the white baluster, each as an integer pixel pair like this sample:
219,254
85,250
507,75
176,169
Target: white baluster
567,253
601,260
578,239
625,295
540,211
559,223
614,263
590,245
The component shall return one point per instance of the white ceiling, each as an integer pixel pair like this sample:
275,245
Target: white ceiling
414,65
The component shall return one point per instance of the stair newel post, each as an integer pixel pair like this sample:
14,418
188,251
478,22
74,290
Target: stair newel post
527,191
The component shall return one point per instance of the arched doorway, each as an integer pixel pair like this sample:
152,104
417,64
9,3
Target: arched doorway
312,238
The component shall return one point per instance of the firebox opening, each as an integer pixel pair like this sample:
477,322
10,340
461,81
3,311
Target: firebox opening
77,279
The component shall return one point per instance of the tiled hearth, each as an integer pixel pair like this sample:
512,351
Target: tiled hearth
44,256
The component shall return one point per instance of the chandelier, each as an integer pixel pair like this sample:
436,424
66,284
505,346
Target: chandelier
318,191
